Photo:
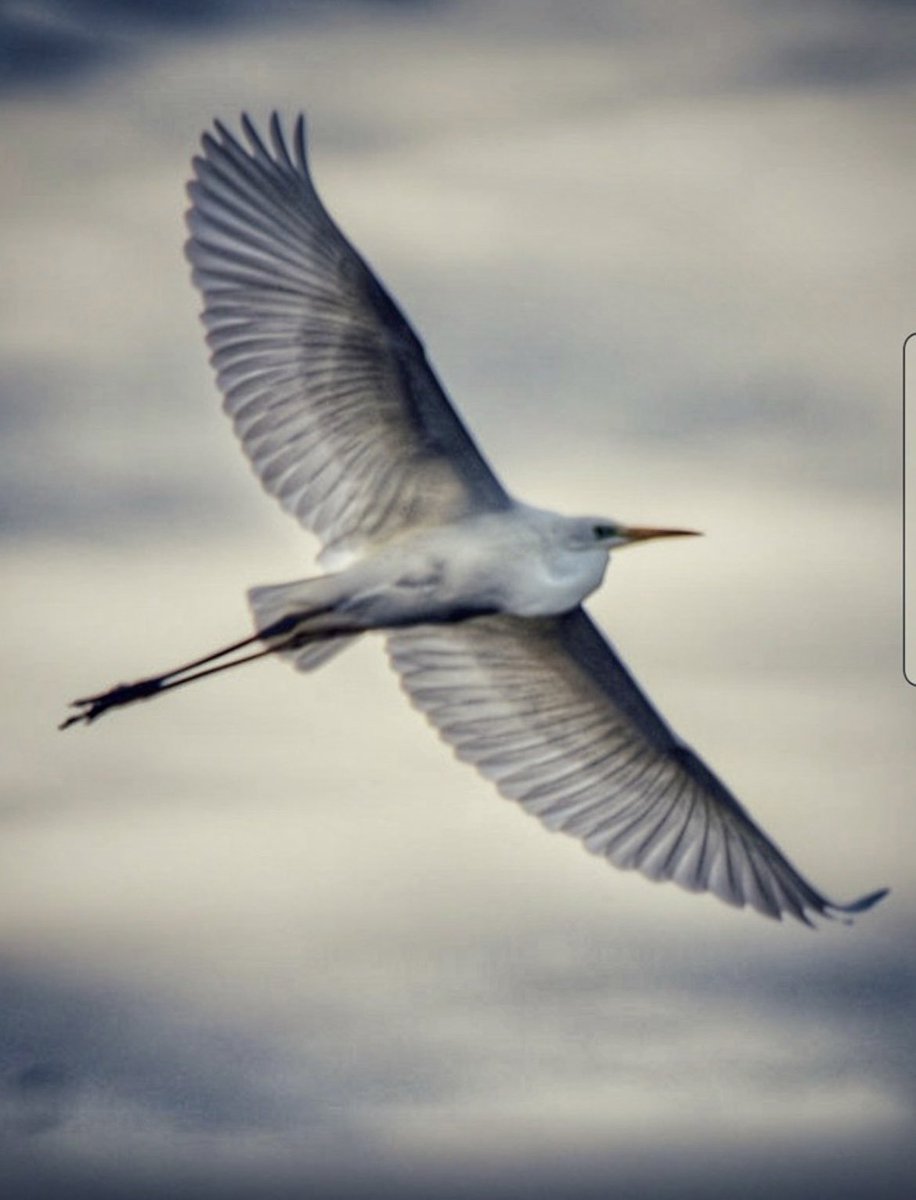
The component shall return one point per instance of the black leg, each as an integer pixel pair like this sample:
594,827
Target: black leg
92,707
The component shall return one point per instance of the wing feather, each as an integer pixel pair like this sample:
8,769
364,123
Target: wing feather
546,709
328,387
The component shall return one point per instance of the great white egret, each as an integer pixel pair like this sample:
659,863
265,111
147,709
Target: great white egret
479,596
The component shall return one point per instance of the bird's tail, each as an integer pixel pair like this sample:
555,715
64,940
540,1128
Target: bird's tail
271,604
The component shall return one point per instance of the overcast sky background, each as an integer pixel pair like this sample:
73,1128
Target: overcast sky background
267,933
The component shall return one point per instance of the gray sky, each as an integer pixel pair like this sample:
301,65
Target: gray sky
268,929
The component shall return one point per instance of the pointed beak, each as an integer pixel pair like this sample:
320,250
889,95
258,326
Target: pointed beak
642,533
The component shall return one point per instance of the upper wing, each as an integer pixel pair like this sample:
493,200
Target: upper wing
546,710
326,383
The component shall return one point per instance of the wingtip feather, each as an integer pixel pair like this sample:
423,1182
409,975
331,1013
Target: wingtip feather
300,140
290,152
223,131
254,138
863,904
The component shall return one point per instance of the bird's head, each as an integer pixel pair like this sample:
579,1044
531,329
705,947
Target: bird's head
611,535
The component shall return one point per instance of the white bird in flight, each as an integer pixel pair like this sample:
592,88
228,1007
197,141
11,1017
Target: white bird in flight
478,595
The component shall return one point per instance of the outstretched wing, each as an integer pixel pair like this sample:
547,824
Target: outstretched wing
546,710
327,385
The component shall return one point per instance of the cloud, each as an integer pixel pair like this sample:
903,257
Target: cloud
203,1105
44,43
74,1052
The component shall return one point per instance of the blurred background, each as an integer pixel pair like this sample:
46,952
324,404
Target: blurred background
266,937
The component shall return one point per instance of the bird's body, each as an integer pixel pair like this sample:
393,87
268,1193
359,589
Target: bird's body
520,560
478,595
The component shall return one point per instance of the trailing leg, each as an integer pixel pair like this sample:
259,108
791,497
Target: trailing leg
289,634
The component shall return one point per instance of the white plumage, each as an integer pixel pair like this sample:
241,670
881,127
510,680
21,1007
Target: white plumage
478,595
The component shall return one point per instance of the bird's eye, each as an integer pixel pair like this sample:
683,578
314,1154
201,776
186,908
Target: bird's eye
602,532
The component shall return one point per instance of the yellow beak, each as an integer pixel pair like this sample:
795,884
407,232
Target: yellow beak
642,533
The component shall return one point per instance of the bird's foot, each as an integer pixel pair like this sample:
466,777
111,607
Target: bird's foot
92,707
